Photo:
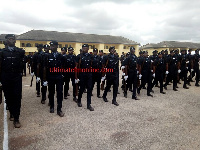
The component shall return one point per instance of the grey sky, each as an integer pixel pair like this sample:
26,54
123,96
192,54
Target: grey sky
144,21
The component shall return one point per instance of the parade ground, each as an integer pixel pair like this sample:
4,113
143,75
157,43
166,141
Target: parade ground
168,121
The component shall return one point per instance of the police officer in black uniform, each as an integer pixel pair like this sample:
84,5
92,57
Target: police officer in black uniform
11,63
29,61
196,66
159,67
184,68
190,58
96,74
66,83
53,64
83,62
173,66
70,64
145,74
111,62
43,58
35,69
131,68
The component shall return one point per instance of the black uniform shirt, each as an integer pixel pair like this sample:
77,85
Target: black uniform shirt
131,62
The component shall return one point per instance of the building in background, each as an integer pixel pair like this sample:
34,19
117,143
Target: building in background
29,40
169,45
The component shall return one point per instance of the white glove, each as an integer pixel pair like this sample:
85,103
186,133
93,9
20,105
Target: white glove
152,61
187,62
45,83
123,74
137,72
38,79
186,67
32,74
140,76
123,67
167,72
76,81
29,65
103,78
151,70
125,78
154,75
179,71
192,70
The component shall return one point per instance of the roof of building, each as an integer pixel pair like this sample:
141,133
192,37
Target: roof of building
171,44
41,35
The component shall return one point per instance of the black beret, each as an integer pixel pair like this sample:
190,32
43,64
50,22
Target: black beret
112,47
53,43
189,50
140,52
162,51
45,46
172,51
100,51
39,46
156,51
127,54
70,48
9,35
166,50
159,53
197,50
85,45
95,50
132,48
63,49
176,50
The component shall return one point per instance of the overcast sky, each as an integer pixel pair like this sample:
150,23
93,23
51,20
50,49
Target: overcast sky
144,21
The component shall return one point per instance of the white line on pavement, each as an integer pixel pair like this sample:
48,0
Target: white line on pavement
5,138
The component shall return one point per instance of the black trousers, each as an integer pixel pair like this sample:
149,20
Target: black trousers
57,81
159,77
12,88
183,75
43,90
196,71
146,78
132,81
172,76
112,79
67,78
96,77
38,86
85,81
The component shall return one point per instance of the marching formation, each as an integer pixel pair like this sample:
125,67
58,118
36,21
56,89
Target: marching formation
53,72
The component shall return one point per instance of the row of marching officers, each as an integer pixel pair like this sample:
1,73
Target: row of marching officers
53,70
158,67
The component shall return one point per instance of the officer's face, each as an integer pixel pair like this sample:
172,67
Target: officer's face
46,49
63,52
132,51
10,41
95,53
112,51
172,53
100,53
53,48
39,49
160,56
70,51
85,49
145,54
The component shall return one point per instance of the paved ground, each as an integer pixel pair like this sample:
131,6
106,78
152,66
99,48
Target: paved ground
165,122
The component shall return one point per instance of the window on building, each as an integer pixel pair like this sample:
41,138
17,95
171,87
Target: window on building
1,42
124,47
22,44
59,45
106,47
28,45
36,44
70,45
93,46
66,45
